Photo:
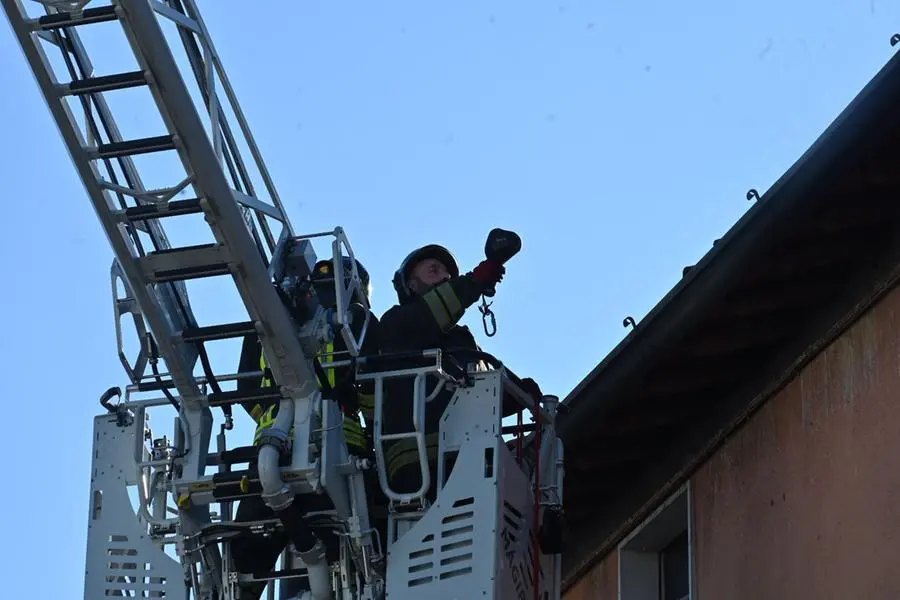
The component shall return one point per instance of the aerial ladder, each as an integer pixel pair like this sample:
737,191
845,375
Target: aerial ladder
494,529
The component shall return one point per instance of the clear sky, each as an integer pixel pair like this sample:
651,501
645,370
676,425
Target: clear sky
618,138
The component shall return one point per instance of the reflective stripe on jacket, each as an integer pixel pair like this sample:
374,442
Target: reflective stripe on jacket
353,429
405,452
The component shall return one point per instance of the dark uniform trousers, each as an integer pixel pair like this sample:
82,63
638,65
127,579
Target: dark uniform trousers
256,554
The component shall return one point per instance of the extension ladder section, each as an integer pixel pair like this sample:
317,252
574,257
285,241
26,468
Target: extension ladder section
239,212
478,540
106,163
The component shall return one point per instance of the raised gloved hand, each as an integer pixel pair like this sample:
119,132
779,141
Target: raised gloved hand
489,273
501,245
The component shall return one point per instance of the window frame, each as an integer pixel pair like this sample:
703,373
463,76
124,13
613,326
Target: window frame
639,553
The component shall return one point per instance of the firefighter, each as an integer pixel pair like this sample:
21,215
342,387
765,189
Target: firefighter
255,554
433,297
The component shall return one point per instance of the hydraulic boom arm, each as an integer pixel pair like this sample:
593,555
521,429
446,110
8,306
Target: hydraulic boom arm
488,534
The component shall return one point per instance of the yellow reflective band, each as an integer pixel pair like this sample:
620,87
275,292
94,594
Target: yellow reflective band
266,420
353,430
367,401
451,300
367,406
329,351
438,310
266,381
351,423
406,452
259,431
353,433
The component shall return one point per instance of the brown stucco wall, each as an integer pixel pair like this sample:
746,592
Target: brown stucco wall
804,501
600,583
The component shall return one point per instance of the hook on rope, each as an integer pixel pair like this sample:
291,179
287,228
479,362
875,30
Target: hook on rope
752,193
488,315
629,321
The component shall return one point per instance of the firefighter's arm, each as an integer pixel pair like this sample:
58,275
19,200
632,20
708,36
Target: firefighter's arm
420,323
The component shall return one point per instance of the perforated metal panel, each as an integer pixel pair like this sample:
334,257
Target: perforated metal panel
475,541
121,558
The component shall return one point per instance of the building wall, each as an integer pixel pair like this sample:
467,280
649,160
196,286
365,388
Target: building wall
600,583
804,501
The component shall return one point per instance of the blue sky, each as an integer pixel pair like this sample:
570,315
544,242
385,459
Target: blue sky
619,139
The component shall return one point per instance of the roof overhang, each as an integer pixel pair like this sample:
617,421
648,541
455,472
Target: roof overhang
812,253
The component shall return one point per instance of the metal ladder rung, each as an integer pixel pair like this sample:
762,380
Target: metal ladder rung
106,83
186,273
174,208
284,573
159,143
270,394
188,262
239,455
218,332
100,14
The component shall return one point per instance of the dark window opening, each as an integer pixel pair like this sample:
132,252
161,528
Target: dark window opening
674,569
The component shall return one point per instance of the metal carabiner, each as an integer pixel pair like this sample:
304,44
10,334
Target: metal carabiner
487,313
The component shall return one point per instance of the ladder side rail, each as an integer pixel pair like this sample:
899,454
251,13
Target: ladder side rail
194,13
158,318
283,350
203,66
173,296
132,177
203,63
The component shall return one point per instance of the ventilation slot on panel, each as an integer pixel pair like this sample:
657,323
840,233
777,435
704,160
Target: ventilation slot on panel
455,543
127,575
457,535
488,463
421,563
420,567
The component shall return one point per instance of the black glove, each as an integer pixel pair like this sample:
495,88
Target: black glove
531,387
347,396
489,273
